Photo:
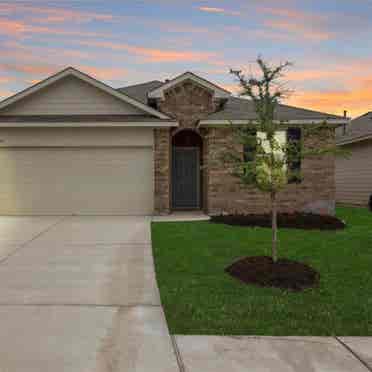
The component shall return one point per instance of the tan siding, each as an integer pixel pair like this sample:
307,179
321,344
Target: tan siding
34,137
70,96
354,174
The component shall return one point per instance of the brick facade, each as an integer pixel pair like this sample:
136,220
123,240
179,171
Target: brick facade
316,192
222,193
162,151
187,103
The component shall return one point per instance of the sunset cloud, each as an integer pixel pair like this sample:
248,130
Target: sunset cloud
299,30
209,9
357,99
11,27
14,28
124,42
52,14
43,70
21,19
329,87
30,68
5,93
5,79
297,24
102,73
152,54
311,74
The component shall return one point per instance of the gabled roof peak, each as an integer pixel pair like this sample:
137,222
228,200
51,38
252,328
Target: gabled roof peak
218,92
71,71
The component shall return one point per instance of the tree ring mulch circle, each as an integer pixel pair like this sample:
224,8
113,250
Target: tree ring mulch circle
285,274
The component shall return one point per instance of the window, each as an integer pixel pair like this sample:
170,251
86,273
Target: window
292,136
249,149
294,152
249,154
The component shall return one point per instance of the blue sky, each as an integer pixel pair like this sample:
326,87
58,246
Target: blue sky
125,42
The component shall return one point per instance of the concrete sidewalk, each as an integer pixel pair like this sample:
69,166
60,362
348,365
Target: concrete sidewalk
277,354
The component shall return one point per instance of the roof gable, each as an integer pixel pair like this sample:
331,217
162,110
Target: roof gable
71,72
218,92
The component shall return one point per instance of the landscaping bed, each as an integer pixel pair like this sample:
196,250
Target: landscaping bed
305,221
284,274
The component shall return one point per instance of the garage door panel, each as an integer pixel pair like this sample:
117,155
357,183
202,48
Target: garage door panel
76,180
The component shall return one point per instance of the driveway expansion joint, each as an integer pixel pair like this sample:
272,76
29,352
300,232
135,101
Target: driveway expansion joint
23,245
356,356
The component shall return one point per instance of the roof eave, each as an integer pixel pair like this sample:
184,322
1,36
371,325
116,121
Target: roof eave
101,124
347,141
214,122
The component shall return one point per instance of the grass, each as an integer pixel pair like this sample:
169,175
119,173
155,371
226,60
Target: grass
200,298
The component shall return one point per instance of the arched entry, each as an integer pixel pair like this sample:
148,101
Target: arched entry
187,146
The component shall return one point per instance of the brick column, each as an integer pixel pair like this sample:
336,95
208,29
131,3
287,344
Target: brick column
162,171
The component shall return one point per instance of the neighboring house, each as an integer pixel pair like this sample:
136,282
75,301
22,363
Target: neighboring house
354,171
73,145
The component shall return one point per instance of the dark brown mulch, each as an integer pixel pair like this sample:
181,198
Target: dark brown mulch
285,274
306,221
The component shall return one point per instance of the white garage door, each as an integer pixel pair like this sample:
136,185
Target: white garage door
76,180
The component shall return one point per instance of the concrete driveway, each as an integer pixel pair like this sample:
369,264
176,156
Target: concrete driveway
79,294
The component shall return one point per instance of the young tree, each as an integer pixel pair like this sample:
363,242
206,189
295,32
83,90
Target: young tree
268,157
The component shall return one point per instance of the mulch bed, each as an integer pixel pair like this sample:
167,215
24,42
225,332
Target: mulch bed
284,274
306,221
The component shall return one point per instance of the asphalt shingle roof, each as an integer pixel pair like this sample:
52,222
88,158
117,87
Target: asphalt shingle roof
139,91
358,129
243,109
235,108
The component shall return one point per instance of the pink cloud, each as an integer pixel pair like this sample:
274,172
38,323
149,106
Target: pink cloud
287,13
104,73
5,79
31,68
152,54
298,29
15,28
5,93
42,70
53,14
216,10
17,50
11,27
354,94
356,101
296,24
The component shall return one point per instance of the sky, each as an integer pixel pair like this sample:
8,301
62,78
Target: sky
125,42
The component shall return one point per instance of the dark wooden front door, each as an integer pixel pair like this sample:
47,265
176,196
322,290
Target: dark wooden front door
186,178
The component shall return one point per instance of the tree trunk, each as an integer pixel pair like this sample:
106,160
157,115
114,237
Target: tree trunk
274,227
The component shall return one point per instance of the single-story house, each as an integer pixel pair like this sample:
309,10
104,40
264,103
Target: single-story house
71,144
354,167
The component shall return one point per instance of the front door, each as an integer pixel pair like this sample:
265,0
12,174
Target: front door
186,178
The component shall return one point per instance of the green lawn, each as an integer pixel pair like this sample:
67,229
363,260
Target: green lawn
200,298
